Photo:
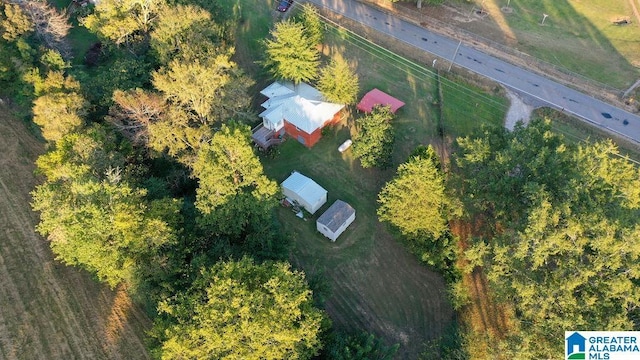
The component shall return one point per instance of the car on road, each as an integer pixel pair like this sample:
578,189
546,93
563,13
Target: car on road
284,5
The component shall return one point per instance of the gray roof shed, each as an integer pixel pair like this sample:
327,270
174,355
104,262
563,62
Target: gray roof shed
336,215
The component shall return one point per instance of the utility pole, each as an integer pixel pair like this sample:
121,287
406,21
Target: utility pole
454,56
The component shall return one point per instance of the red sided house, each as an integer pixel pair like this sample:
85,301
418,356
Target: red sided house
298,111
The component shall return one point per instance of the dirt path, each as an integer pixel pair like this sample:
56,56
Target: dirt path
487,321
48,310
518,110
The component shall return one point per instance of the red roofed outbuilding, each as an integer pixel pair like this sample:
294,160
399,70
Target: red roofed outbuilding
378,97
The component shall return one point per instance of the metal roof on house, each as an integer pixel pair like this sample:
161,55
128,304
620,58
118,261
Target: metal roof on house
299,105
336,215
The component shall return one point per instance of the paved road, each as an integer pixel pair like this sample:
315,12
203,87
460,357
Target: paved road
560,97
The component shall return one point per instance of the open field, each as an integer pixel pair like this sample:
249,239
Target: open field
49,310
580,36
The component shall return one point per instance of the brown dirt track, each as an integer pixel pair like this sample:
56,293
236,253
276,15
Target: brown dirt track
49,310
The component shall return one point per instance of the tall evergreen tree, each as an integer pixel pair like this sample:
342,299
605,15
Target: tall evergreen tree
338,83
291,55
310,20
415,201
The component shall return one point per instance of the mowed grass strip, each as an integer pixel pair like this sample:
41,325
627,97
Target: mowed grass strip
581,36
466,108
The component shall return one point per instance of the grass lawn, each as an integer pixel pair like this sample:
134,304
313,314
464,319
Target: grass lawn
466,108
578,35
375,284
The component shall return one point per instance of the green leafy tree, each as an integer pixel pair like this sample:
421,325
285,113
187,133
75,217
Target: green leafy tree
415,201
15,23
53,61
184,31
338,83
213,90
91,215
123,21
232,185
178,134
241,310
291,54
568,253
373,142
60,108
310,20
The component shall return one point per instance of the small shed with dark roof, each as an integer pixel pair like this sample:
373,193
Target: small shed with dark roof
336,219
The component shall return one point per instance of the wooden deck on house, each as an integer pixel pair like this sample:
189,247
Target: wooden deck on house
264,137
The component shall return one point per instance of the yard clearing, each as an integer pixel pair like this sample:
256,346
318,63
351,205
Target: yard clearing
376,285
49,310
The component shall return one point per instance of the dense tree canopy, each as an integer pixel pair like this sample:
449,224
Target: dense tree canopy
568,250
184,31
212,90
92,216
60,108
338,83
123,21
291,54
241,310
232,186
14,23
373,142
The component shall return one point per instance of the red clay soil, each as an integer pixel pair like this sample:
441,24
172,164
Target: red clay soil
483,315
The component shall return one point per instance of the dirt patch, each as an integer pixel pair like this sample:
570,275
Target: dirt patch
486,320
518,110
48,310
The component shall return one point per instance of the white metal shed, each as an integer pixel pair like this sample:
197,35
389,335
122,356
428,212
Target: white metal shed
336,219
304,191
